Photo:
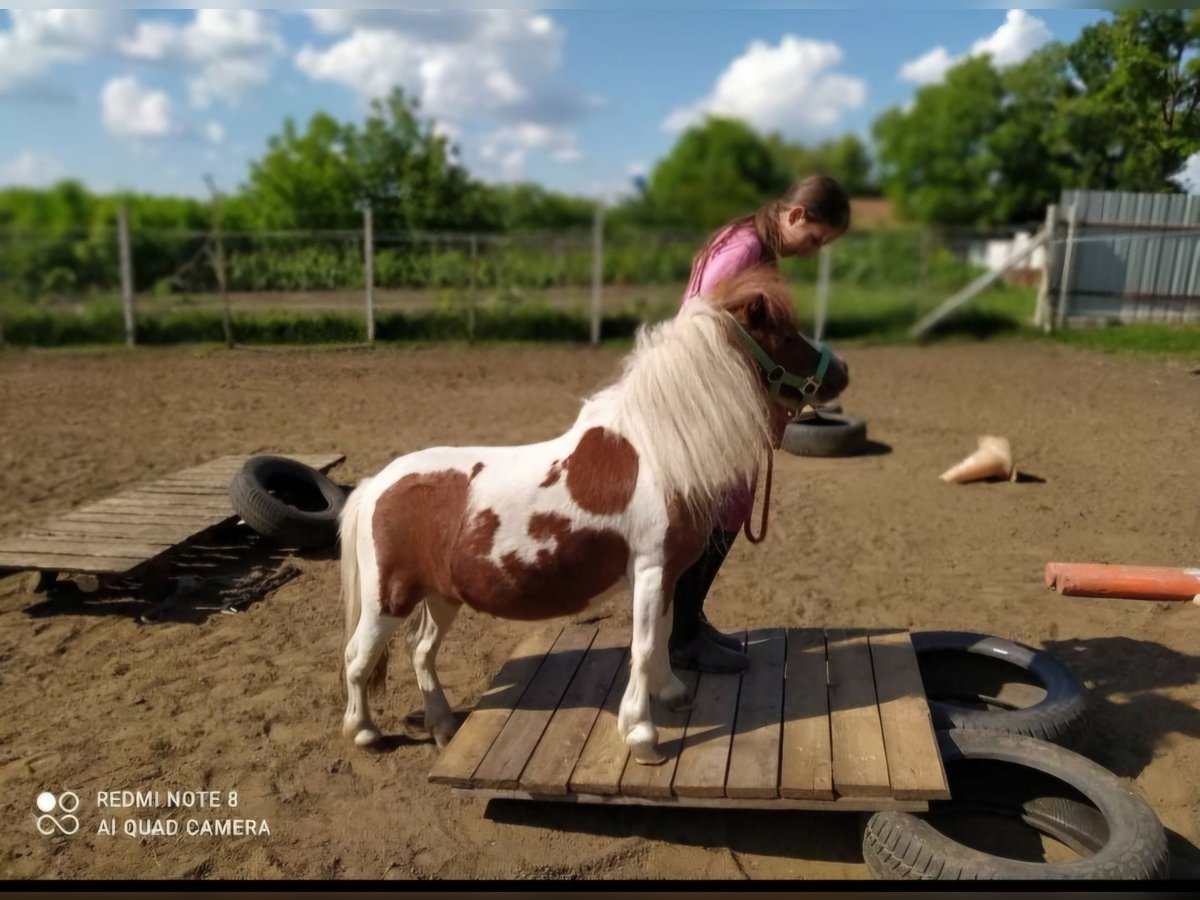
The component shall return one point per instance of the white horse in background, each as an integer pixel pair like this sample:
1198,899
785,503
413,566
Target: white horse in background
627,494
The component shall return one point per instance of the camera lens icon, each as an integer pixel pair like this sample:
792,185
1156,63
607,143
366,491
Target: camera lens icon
66,803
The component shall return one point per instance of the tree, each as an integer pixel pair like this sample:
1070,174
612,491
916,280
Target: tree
1136,120
1115,110
716,171
396,162
846,159
521,207
935,164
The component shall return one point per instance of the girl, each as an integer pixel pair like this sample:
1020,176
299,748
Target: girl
814,212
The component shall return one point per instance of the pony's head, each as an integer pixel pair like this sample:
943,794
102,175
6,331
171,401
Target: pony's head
795,370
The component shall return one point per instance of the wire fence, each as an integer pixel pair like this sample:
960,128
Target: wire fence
360,285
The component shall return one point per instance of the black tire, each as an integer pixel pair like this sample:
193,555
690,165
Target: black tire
977,682
288,502
1051,789
826,434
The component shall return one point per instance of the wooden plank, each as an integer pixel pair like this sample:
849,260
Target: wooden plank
805,770
914,761
186,490
460,758
655,781
504,762
859,759
164,508
181,501
231,464
976,286
550,766
842,804
604,756
704,759
83,546
59,562
754,752
119,517
118,531
163,504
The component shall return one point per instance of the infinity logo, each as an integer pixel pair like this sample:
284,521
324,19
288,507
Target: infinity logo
66,802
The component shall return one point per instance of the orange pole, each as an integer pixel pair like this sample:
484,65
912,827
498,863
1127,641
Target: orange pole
1130,582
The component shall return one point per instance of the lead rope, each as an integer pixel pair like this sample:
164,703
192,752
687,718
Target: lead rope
766,509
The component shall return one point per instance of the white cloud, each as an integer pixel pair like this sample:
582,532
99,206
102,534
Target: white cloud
930,68
228,80
227,50
215,132
637,170
72,29
1013,42
130,110
233,50
791,88
511,145
31,169
39,39
496,67
1188,177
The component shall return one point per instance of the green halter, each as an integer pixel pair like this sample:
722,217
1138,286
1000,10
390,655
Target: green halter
777,375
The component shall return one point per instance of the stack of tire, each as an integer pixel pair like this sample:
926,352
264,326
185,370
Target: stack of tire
287,502
1002,711
825,431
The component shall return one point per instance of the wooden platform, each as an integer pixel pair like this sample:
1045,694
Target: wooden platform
125,531
821,720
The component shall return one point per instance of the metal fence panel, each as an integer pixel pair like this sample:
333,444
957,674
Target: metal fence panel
1136,257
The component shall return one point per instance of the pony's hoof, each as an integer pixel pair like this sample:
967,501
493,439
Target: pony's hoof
367,738
643,745
443,736
649,756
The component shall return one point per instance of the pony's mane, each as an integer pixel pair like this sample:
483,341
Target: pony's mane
689,399
762,287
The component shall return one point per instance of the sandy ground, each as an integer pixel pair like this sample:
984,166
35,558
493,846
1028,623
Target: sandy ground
92,700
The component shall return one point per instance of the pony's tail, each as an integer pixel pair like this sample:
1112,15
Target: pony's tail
352,581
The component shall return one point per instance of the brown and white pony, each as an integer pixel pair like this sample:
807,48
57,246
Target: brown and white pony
627,494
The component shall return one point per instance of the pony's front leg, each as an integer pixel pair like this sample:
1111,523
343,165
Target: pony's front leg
647,651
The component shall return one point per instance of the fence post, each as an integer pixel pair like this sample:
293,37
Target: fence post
926,251
369,269
219,260
1064,287
824,276
126,264
473,288
597,271
1041,312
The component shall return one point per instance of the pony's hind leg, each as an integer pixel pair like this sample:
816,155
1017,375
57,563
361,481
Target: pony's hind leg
437,617
366,666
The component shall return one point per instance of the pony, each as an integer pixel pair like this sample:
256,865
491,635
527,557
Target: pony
625,497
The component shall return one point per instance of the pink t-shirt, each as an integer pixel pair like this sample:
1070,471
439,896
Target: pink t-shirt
735,251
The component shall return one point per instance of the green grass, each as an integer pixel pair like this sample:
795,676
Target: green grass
858,313
1147,339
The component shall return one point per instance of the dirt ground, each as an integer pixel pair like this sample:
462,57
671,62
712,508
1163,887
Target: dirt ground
92,700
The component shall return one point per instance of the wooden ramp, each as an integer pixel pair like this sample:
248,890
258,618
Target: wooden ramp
822,719
123,532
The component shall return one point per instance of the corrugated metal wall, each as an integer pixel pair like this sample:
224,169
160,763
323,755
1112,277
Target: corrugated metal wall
1136,256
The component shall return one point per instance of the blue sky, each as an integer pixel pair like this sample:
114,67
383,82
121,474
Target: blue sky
576,99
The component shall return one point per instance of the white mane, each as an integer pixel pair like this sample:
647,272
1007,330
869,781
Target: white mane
692,407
